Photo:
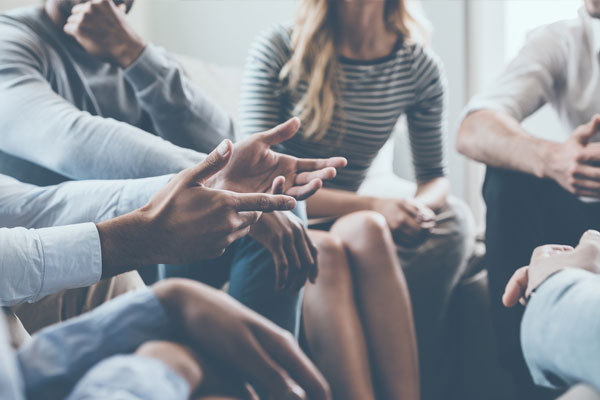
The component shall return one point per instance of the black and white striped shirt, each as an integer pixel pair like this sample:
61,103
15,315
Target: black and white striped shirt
374,95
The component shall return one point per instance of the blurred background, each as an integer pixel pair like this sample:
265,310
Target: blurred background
474,39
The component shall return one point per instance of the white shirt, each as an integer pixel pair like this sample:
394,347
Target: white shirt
559,64
38,262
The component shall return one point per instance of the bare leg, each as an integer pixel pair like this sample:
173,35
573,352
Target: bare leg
332,325
383,301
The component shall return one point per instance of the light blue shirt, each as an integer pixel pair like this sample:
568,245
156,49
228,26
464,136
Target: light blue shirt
89,357
560,330
37,262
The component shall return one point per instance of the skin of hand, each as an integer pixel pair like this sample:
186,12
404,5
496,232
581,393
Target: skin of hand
549,259
254,166
575,163
101,28
409,220
294,254
185,221
245,343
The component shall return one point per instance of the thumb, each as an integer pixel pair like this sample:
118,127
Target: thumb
589,130
281,132
213,163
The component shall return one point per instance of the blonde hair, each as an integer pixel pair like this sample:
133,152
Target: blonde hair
314,59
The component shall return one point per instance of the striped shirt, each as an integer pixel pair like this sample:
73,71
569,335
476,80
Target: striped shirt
374,94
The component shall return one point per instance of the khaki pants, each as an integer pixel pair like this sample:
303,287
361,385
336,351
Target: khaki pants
26,319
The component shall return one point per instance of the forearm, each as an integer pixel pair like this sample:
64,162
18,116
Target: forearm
434,193
335,203
126,243
560,330
498,140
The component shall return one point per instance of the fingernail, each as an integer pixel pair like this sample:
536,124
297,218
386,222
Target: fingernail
223,148
291,203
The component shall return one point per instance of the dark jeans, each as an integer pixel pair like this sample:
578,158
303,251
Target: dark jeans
250,270
524,212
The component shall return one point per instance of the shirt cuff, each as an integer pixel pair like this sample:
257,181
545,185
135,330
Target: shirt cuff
72,257
137,192
131,377
149,67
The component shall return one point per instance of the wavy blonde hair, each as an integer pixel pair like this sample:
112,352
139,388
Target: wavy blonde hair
314,60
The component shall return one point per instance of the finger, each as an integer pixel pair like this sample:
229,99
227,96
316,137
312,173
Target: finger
71,29
295,266
280,262
281,132
584,171
238,235
305,191
75,19
313,164
590,154
516,287
246,219
213,163
286,352
313,269
587,193
324,174
278,185
411,209
588,130
591,236
263,202
81,8
257,364
586,185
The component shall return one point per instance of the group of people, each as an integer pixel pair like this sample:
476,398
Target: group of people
117,167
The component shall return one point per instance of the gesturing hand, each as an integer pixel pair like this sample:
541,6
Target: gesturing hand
293,252
247,344
575,163
409,220
548,259
185,221
102,30
255,166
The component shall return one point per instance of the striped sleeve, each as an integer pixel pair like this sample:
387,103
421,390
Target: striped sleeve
261,97
426,117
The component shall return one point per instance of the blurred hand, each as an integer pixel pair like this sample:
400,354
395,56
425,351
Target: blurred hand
245,343
254,166
549,259
284,235
102,30
575,163
409,220
185,221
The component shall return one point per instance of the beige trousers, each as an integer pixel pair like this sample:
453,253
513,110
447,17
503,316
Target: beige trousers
26,319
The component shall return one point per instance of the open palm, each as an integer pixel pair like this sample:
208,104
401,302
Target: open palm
254,167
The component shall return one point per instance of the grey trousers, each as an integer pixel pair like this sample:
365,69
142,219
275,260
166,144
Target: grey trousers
433,270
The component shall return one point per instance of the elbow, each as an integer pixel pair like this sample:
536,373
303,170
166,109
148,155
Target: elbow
464,137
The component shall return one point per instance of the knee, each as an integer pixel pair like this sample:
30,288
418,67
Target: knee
179,358
333,263
362,229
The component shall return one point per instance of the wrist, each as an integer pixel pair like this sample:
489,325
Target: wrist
545,159
124,242
127,53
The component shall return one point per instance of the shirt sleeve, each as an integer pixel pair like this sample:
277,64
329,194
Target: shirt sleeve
131,377
180,111
37,262
560,331
56,358
261,103
530,79
33,206
11,382
54,134
427,117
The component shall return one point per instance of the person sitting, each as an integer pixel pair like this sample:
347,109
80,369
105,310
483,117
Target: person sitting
350,70
561,323
175,340
537,190
83,96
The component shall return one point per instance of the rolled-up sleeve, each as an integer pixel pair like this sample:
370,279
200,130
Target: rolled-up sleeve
530,79
560,331
36,263
131,377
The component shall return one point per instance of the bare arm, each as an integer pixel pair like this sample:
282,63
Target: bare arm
483,133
